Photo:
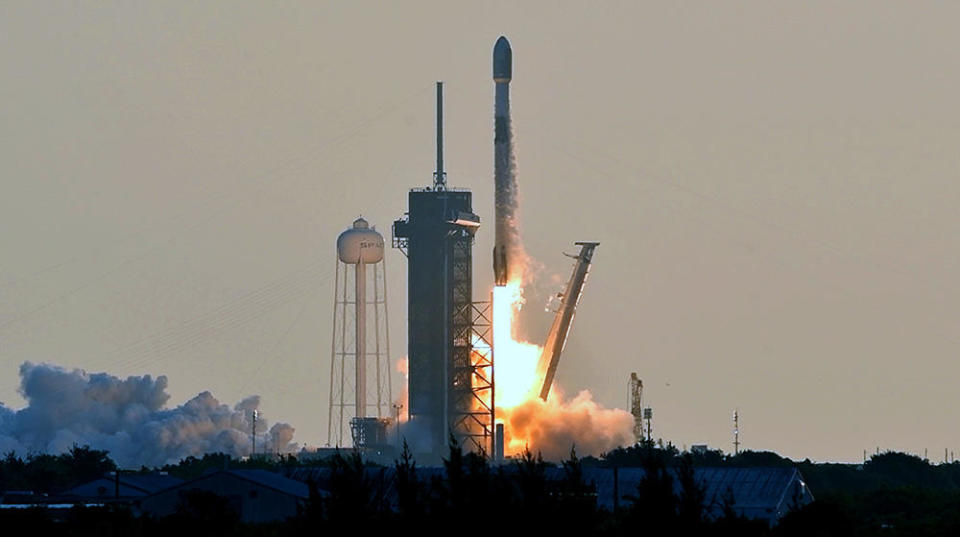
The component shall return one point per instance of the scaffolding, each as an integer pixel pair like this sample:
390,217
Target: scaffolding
472,392
449,379
343,352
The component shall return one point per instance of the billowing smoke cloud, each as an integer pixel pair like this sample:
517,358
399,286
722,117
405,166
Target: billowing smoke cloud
127,418
554,426
281,438
414,432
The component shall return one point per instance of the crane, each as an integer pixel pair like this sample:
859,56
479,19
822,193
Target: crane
636,406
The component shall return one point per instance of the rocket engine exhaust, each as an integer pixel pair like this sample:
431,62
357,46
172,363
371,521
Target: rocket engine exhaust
507,249
550,424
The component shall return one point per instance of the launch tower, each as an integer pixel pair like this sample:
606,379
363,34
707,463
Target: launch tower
450,374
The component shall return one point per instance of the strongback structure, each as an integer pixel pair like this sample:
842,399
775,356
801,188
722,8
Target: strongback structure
450,387
557,337
360,351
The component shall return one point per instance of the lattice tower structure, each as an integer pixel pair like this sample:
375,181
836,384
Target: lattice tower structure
449,365
360,385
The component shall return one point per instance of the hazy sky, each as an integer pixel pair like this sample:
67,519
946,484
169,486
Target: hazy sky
774,186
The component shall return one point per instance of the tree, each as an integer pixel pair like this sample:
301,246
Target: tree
354,493
690,502
654,505
410,490
577,500
87,464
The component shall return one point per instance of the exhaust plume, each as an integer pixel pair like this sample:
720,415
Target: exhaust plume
127,418
553,427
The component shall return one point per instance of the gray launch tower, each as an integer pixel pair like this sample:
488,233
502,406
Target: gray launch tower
450,386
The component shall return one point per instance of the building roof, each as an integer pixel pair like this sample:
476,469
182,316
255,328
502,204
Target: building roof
757,492
273,481
130,485
264,478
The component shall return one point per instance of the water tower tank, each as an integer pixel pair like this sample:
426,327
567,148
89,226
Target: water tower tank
360,244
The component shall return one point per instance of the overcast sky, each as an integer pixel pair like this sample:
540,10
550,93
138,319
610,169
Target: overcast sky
774,186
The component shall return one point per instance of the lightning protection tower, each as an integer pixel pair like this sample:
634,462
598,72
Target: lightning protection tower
360,349
736,432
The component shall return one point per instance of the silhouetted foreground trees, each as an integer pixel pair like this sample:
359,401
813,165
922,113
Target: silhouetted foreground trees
53,473
471,497
892,494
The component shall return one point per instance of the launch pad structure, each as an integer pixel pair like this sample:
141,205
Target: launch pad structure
450,386
451,394
450,358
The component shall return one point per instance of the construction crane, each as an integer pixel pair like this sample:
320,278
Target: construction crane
636,407
560,329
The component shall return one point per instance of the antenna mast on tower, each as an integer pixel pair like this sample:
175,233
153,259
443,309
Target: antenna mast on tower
439,177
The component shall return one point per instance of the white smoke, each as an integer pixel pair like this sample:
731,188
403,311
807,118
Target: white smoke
127,418
555,426
281,438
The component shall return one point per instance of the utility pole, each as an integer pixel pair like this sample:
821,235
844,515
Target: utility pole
398,407
648,415
256,414
736,432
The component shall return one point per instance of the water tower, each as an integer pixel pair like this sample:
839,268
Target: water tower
360,349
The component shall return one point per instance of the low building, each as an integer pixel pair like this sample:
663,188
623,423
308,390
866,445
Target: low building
121,487
255,495
762,493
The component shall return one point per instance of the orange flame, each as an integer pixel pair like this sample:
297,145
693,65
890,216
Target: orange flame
515,371
402,366
551,426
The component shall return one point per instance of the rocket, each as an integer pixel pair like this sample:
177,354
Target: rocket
505,187
502,61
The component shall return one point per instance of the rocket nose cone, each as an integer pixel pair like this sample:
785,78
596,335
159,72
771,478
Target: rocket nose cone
502,61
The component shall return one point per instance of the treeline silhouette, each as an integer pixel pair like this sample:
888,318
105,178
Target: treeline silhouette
45,473
884,470
891,494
